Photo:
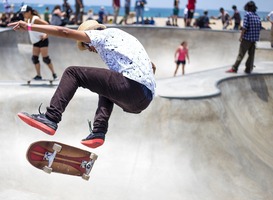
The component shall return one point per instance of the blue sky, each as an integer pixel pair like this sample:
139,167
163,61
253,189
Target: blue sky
263,5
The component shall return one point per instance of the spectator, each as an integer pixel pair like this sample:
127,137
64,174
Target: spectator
203,21
139,8
4,20
116,7
237,18
90,14
191,10
224,16
185,15
249,35
68,11
46,15
102,16
127,10
175,12
79,11
7,8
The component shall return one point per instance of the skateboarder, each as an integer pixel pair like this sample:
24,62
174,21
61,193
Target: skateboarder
129,83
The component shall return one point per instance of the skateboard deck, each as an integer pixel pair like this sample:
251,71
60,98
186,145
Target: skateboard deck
42,81
51,156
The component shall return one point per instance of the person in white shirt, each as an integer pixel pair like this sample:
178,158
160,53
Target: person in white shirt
129,82
39,40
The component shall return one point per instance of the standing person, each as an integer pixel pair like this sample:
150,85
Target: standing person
46,14
191,10
39,40
7,8
224,16
116,7
139,8
127,10
129,83
185,15
180,56
79,11
175,12
237,18
270,18
250,33
68,11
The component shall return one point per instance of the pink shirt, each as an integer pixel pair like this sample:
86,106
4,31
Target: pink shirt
182,53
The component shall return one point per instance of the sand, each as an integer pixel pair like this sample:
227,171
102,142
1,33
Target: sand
216,24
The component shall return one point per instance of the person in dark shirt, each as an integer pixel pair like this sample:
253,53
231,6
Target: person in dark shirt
249,35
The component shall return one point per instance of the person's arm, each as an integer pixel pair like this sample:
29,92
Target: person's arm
175,54
242,34
58,31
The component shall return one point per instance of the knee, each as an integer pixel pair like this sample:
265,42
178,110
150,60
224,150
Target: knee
47,60
35,60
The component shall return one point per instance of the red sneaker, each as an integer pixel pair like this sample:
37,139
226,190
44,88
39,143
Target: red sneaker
231,71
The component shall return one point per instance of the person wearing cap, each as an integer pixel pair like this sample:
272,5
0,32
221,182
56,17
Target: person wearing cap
39,40
250,34
129,82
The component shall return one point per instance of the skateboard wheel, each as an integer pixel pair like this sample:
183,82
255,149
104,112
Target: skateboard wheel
47,169
93,156
57,147
85,177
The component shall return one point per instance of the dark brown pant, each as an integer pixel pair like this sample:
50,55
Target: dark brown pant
111,86
245,46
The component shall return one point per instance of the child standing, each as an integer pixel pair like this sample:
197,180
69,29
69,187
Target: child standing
180,56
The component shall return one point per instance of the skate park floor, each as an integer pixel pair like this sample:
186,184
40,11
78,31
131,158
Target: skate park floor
206,135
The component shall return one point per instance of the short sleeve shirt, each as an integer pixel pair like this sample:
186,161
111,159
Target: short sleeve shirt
123,53
252,25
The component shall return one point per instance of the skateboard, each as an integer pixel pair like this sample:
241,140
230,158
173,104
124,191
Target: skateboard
51,156
41,81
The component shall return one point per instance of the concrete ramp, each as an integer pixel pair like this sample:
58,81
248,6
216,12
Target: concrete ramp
214,144
214,148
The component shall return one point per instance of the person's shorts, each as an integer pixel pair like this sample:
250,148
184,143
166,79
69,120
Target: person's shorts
181,62
190,14
41,43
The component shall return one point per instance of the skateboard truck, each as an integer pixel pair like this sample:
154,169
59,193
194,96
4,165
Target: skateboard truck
88,166
50,157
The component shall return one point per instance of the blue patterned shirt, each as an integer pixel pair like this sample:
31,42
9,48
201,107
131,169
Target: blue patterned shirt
252,25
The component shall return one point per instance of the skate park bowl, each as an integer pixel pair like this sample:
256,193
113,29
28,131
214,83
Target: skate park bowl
206,135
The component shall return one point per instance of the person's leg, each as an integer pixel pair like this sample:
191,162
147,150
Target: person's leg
242,51
35,61
251,55
112,87
183,69
142,15
176,68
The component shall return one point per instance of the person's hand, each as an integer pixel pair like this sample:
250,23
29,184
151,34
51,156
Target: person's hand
44,36
19,26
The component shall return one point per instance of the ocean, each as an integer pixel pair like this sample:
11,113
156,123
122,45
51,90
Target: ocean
149,12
